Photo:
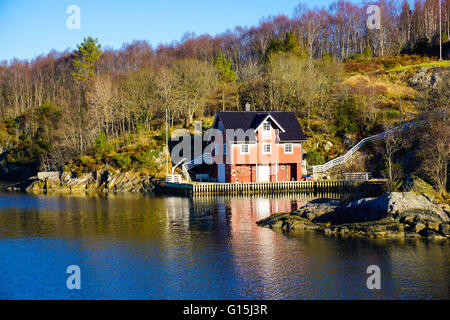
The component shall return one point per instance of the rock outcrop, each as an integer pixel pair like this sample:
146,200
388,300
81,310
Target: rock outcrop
392,215
428,77
103,180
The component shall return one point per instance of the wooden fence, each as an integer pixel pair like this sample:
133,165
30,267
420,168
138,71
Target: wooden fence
257,187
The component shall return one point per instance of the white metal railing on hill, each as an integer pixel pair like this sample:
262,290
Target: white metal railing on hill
204,158
344,158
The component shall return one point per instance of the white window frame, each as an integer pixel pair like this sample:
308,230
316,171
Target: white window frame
266,133
292,148
270,148
248,148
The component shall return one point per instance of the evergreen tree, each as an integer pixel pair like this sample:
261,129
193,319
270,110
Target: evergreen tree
88,53
288,45
227,76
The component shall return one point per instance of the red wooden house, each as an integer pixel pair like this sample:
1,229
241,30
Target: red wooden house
271,149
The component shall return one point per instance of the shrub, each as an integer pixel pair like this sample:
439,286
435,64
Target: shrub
101,144
5,138
360,57
149,160
145,159
122,160
392,114
346,116
207,124
87,161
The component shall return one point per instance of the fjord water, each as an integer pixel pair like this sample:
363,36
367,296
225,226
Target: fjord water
131,246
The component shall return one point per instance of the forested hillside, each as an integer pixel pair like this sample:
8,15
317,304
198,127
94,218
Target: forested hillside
96,106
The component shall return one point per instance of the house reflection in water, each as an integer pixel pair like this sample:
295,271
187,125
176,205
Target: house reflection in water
261,207
248,247
268,248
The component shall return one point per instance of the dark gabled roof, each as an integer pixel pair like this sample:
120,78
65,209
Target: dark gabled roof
252,119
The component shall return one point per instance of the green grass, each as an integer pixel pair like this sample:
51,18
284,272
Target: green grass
444,63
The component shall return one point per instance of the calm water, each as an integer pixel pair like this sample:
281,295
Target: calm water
137,247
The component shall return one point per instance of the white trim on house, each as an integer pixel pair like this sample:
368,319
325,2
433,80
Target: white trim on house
281,128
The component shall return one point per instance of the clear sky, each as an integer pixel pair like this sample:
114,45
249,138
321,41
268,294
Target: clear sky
34,27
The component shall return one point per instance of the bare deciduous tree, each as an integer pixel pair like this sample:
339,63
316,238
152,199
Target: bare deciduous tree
435,152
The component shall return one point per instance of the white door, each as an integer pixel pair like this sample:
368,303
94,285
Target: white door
221,172
263,173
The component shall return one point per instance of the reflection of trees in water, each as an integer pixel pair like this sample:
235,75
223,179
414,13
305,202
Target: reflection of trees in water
94,216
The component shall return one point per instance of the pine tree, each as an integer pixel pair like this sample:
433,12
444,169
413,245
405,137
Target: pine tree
227,76
88,53
289,45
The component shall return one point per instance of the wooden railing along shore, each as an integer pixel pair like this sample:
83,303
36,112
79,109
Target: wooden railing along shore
258,187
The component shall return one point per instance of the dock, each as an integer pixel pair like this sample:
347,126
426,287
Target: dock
194,188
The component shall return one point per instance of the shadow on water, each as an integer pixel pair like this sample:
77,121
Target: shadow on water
167,247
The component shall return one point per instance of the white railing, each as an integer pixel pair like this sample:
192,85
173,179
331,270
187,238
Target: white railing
344,158
173,178
204,158
357,176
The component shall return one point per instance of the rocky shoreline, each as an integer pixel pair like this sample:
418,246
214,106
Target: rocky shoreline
391,215
103,180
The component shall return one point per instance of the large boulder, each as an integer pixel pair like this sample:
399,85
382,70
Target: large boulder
428,77
393,204
46,175
317,208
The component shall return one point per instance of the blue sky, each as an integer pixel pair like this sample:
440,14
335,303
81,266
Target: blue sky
34,27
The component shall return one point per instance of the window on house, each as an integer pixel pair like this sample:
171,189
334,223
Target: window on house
220,126
266,130
244,149
224,149
267,148
288,148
